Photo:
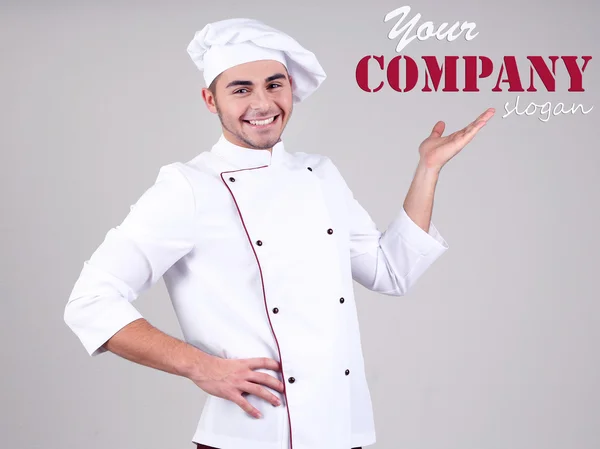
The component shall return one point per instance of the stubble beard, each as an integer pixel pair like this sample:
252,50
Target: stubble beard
244,138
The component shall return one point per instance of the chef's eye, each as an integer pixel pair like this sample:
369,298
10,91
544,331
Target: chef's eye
275,84
239,91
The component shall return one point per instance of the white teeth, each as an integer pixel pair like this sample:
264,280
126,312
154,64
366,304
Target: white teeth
262,122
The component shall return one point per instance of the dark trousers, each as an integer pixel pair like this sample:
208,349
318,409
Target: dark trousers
202,446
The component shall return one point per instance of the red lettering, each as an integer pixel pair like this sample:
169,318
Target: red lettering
547,77
512,71
411,71
435,71
402,73
575,73
362,73
471,75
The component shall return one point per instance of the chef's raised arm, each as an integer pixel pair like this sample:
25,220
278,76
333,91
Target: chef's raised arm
158,231
389,262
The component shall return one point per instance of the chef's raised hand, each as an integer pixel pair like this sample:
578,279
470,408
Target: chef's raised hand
231,379
436,150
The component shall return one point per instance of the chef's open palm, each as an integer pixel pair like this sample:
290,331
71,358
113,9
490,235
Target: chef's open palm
233,379
436,150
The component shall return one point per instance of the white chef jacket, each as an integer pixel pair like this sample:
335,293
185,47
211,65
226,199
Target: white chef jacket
258,251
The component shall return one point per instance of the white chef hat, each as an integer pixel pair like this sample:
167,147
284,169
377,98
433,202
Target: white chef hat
227,43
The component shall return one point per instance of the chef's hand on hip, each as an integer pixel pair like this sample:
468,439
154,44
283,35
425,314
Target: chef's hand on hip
231,379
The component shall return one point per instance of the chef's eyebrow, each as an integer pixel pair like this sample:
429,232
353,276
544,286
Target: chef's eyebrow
274,77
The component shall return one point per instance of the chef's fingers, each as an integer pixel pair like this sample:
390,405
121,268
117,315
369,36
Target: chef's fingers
245,405
475,126
265,379
466,135
263,362
487,114
480,121
261,392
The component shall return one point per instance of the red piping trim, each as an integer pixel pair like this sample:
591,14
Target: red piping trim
264,294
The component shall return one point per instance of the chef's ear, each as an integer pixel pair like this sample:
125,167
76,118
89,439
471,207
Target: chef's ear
210,100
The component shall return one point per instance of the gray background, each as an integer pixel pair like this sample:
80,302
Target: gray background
494,348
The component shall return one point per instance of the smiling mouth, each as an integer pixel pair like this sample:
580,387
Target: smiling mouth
262,123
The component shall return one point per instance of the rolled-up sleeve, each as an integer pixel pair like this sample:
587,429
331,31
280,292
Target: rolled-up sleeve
389,262
158,231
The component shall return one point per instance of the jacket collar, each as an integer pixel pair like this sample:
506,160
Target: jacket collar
242,157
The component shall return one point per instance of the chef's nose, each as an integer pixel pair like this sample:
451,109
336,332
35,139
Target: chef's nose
260,100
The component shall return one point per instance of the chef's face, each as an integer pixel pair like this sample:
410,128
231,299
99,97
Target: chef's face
253,101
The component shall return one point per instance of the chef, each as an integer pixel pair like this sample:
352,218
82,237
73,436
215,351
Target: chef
258,245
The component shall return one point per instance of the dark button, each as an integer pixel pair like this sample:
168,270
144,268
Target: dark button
342,300
291,380
330,231
259,242
232,179
347,372
309,168
275,310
